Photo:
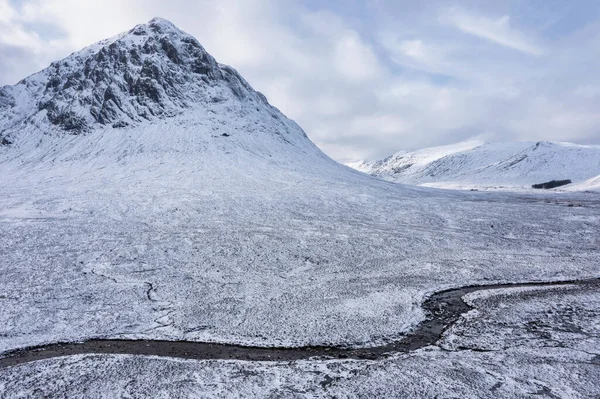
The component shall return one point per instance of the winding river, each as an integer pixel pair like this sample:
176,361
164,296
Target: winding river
443,309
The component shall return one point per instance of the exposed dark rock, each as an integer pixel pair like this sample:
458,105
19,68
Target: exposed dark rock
110,107
201,67
170,50
146,88
139,31
6,100
134,57
64,118
515,161
120,124
70,121
149,47
153,71
552,184
53,82
73,81
262,97
402,168
5,141
155,27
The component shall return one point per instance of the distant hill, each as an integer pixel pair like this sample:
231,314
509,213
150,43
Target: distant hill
480,165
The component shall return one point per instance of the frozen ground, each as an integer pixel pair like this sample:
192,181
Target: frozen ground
556,364
251,251
263,256
563,317
515,373
294,258
297,257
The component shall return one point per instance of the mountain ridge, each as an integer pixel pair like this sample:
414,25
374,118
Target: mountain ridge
477,164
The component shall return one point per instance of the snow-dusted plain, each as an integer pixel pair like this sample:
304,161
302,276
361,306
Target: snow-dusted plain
194,210
508,166
514,373
558,317
517,343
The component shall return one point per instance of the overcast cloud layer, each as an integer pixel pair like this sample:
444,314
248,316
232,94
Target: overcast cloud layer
365,78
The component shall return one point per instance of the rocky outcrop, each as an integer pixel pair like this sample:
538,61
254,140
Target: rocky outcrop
153,71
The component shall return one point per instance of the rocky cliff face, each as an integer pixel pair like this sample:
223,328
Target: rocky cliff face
154,71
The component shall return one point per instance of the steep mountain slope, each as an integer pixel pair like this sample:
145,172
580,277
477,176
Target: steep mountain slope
516,165
147,191
154,78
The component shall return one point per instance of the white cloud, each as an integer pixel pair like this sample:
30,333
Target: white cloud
417,53
355,60
85,22
495,30
413,49
11,31
6,11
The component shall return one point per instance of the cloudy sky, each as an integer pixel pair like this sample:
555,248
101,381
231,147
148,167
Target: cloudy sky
366,78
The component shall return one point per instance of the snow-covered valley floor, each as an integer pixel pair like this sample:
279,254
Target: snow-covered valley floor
300,257
517,343
294,259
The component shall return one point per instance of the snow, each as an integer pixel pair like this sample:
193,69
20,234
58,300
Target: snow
592,184
168,229
150,74
565,317
517,343
515,373
514,166
250,239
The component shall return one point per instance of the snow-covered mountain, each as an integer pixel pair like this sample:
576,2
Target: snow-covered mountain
153,79
476,164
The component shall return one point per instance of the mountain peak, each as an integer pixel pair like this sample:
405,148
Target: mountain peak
158,21
158,26
151,90
152,71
